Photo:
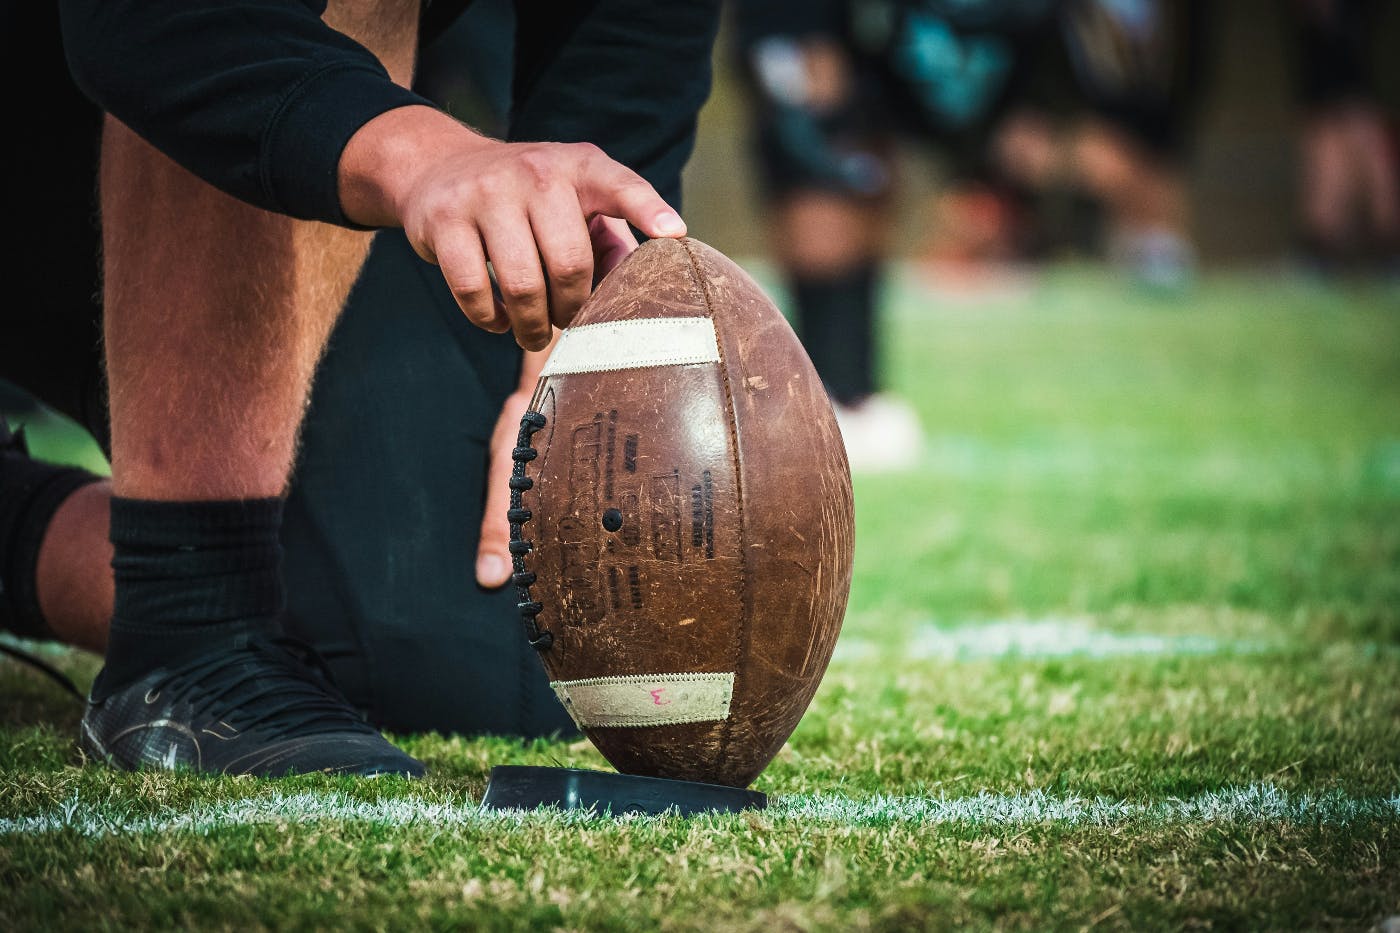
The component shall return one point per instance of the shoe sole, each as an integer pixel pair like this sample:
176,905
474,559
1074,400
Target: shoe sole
91,746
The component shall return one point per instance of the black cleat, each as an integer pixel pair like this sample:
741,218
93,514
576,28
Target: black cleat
264,706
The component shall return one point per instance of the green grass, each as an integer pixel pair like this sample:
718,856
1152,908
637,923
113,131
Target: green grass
1222,471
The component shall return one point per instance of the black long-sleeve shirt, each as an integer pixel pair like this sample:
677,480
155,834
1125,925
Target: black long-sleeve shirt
260,97
257,97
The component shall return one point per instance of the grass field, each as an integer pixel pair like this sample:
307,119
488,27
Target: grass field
1123,652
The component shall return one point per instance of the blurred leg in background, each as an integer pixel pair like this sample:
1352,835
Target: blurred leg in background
1350,178
824,150
1139,65
832,84
1136,70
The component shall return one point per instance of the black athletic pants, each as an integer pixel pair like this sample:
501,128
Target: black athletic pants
386,502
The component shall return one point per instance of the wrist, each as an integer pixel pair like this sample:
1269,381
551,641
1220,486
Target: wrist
385,159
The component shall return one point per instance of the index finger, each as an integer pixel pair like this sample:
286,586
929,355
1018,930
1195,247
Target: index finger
612,189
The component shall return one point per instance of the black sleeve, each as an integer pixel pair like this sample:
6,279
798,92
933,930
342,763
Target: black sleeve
256,97
629,76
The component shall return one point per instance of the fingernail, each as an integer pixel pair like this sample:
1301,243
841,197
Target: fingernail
669,223
492,569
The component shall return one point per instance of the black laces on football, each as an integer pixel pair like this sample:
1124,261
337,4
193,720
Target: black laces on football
277,684
518,515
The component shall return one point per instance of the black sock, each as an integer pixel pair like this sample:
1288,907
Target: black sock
30,493
190,576
837,322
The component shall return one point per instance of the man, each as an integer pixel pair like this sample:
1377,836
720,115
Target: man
835,83
1137,70
1350,165
245,143
838,83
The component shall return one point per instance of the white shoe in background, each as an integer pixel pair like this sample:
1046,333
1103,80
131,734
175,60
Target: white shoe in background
1155,257
882,434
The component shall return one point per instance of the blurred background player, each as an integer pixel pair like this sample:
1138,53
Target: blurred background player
1107,117
837,84
834,84
1350,190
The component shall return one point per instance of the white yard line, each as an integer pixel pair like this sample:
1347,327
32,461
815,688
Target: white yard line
1257,803
1016,637
1047,637
1051,637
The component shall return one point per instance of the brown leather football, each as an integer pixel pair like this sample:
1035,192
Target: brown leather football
681,519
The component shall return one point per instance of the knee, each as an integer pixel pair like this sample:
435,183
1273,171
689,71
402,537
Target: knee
821,235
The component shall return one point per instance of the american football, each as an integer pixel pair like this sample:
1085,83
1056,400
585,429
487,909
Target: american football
683,523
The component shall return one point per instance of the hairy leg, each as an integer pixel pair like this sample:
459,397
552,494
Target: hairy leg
1139,191
830,247
1377,171
216,312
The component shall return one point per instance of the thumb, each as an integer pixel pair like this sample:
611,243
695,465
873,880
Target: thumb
493,564
492,552
612,242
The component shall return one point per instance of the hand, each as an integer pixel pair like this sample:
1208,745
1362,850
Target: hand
612,241
542,214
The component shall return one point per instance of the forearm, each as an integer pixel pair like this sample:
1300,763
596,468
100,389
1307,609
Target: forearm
256,97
